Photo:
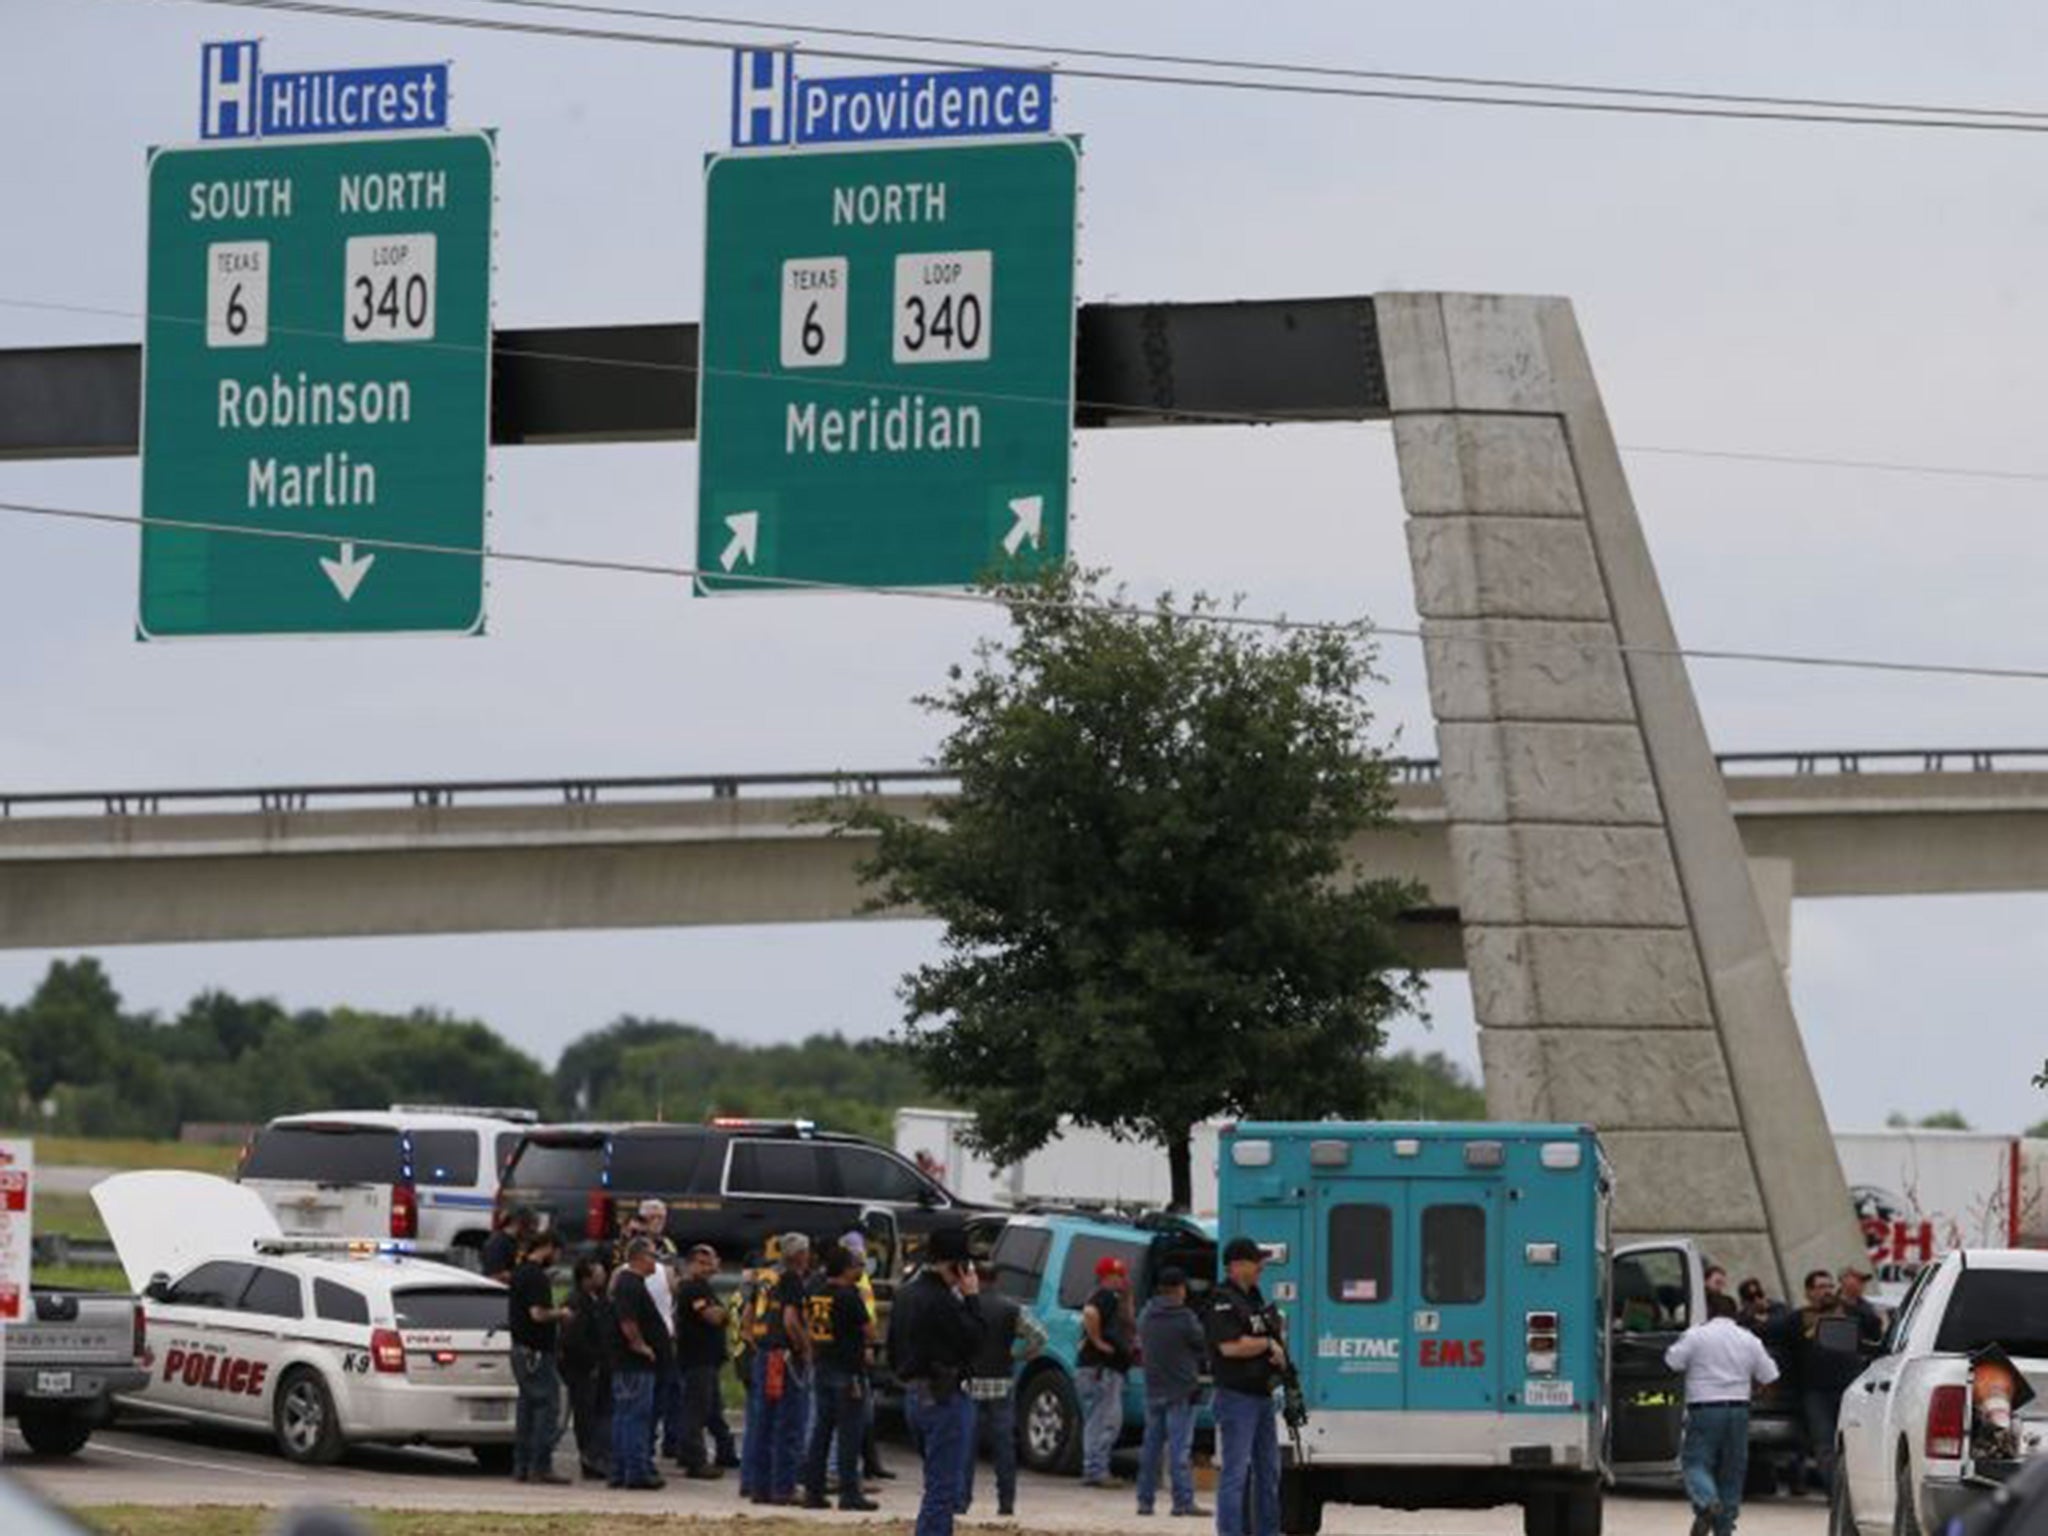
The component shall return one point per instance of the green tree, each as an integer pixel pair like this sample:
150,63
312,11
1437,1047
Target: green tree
1431,1087
70,1030
1151,914
1940,1120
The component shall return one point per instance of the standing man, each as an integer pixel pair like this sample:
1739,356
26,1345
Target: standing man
533,1322
781,1378
1249,1353
640,1344
1723,1364
1010,1334
587,1365
1869,1322
935,1331
1825,1341
1173,1346
500,1253
700,1349
840,1332
1105,1361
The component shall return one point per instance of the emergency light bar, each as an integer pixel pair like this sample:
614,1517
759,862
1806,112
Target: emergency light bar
352,1247
745,1123
476,1111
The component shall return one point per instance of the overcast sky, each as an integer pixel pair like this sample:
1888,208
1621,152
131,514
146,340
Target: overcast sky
1861,293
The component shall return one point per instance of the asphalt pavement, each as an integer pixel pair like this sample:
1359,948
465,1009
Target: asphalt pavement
164,1463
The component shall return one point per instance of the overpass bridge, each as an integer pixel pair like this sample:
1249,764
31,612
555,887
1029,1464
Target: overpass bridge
112,867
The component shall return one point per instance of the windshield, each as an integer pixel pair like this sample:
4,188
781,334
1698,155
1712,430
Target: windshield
452,1309
326,1154
2008,1307
557,1165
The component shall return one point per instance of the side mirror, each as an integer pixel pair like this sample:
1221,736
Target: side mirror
159,1287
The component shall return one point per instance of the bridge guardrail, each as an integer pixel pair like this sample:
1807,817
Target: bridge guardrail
430,795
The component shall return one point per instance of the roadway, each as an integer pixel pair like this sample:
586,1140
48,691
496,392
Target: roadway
162,866
161,1464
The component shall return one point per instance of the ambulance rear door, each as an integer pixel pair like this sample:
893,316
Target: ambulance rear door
1356,1295
1453,1263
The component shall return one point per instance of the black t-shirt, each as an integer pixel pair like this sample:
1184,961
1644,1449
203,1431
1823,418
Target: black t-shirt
789,1292
837,1319
1116,1332
1234,1314
698,1340
632,1303
532,1288
499,1251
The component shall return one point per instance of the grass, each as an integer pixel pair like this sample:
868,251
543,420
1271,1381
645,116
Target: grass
73,1215
79,1277
223,1520
99,1152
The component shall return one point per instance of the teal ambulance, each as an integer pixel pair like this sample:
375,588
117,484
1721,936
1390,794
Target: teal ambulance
1449,1292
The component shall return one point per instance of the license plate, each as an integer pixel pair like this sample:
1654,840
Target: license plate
490,1411
53,1382
1547,1394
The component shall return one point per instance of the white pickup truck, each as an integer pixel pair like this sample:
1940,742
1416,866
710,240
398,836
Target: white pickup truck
1919,1439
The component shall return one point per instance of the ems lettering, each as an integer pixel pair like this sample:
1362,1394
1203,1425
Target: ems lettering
1438,1354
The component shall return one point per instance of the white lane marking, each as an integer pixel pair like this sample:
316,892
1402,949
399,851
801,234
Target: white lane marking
99,1444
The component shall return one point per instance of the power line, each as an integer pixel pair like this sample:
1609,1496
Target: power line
985,598
1642,108
1054,51
1203,417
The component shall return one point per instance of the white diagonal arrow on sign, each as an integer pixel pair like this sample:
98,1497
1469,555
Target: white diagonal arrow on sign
348,572
746,529
1030,514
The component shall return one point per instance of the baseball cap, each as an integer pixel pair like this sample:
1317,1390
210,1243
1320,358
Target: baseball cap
1243,1248
1109,1264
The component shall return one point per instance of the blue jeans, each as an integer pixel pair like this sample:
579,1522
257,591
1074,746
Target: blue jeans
995,1428
665,1432
753,1448
1102,1418
1248,1446
538,1415
1169,1435
945,1435
632,1427
779,1428
1716,1459
842,1413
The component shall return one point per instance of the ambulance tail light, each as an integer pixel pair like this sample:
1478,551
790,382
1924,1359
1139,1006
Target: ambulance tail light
405,1211
1947,1413
387,1351
597,1216
1540,1334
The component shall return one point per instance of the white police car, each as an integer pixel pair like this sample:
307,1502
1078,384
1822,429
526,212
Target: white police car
324,1343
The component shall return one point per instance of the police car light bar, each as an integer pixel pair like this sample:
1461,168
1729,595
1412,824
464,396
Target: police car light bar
475,1111
747,1123
354,1247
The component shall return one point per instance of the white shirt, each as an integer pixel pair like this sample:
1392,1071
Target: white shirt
1721,1360
661,1286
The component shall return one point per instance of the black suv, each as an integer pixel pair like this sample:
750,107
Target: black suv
732,1183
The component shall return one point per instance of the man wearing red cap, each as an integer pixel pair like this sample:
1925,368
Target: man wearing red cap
1105,1361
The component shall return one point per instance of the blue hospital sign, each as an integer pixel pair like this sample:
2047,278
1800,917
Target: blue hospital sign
761,85
237,100
771,107
227,91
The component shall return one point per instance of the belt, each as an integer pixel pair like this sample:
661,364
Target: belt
1721,1402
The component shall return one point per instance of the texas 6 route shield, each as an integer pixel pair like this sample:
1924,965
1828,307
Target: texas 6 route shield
887,383
317,365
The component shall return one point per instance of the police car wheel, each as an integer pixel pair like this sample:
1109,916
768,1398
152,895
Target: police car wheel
1049,1421
54,1431
308,1430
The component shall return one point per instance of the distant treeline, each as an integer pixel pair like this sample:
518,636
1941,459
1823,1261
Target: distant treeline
74,1061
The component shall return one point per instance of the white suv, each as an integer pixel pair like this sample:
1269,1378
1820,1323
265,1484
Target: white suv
425,1173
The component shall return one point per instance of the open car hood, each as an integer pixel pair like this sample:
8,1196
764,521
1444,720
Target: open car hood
162,1223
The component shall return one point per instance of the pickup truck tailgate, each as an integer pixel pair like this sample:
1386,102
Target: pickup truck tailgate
74,1329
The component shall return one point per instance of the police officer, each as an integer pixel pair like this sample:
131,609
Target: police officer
1244,1338
934,1334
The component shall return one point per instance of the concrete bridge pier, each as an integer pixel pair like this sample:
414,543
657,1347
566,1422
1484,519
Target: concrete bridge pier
1623,971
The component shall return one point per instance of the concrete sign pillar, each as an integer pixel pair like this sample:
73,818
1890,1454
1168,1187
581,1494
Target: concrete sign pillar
1622,970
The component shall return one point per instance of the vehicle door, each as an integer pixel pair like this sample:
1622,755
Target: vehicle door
448,1169
1355,1296
272,1309
184,1320
774,1186
1456,1349
1656,1290
876,1180
1867,1410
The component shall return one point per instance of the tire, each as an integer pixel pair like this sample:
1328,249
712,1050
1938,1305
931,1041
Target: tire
1582,1511
1905,1500
1841,1512
1049,1424
1301,1504
495,1459
54,1431
302,1416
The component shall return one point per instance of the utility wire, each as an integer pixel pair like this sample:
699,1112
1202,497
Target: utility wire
1215,417
1056,51
1672,109
1005,600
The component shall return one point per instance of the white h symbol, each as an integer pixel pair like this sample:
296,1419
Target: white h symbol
760,97
228,91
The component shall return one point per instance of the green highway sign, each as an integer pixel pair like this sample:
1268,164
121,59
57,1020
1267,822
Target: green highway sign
886,389
317,362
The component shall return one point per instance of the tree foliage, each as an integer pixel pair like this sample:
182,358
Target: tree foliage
1151,915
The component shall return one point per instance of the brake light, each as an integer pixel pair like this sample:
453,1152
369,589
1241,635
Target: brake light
597,1216
1540,1335
387,1351
141,1333
405,1211
1947,1412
